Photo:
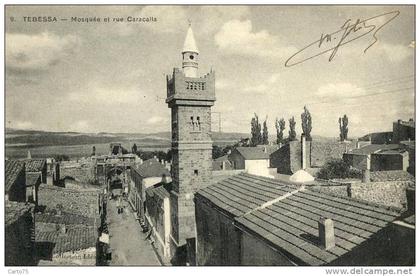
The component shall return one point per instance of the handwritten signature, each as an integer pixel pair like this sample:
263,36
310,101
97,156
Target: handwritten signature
348,32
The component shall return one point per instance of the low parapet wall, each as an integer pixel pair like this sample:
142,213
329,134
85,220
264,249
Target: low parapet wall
389,193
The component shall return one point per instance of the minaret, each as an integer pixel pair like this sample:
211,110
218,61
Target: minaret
190,55
190,98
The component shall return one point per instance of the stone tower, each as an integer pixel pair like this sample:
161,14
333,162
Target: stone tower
190,98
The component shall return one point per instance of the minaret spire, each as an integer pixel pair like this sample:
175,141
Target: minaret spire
190,54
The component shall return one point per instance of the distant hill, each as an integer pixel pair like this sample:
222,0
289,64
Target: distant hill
38,138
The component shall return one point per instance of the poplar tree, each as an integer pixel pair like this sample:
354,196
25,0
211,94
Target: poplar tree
256,138
306,123
265,133
344,129
292,132
280,127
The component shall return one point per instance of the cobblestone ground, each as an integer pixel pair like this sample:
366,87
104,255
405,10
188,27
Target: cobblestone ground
127,241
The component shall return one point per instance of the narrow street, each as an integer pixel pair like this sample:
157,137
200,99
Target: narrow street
127,241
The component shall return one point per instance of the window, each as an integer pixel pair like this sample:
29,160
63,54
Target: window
191,57
195,172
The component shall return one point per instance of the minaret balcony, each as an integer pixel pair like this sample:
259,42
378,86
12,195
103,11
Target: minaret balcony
184,89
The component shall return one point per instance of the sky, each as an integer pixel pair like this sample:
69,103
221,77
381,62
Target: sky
111,76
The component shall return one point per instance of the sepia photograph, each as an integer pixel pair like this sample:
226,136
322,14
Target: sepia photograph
210,135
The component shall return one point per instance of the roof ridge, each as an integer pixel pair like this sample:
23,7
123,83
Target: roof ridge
70,190
271,202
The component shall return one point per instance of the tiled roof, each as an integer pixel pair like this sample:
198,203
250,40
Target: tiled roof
409,144
159,190
11,172
222,158
152,168
64,218
375,148
291,225
14,210
82,202
397,175
268,148
32,178
34,165
253,153
392,152
75,239
242,193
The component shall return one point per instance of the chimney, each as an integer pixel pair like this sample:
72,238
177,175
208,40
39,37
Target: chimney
411,199
265,149
357,144
303,142
326,233
365,176
366,172
141,161
223,165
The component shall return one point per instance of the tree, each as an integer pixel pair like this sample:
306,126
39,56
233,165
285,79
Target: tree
244,142
337,168
229,148
306,123
280,127
256,138
292,132
265,133
93,150
217,152
134,149
344,129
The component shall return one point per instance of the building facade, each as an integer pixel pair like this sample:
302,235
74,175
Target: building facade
148,174
19,234
403,131
190,98
15,181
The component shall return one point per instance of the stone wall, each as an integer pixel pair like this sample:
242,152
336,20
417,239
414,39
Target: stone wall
381,137
336,190
218,241
384,176
73,201
237,160
79,171
391,193
288,159
191,171
19,234
83,257
257,253
322,151
387,162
